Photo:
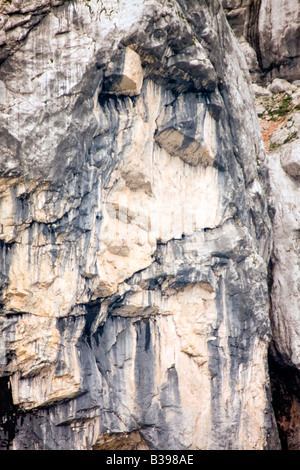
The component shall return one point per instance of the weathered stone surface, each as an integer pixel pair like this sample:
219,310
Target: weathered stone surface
272,29
186,129
135,233
285,190
284,359
124,76
17,18
279,117
260,91
279,38
121,441
280,85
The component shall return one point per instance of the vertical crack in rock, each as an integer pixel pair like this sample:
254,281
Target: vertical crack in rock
8,414
285,383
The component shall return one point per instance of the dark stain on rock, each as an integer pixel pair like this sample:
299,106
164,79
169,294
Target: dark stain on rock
147,335
92,311
285,386
144,366
8,414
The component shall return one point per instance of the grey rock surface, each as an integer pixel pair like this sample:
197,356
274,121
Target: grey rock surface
279,118
271,29
284,351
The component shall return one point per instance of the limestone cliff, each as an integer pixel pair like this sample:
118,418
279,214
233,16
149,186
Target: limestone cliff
135,230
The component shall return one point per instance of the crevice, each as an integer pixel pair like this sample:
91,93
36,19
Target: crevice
8,414
252,33
92,313
285,386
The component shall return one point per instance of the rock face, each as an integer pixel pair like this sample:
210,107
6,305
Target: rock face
269,32
280,123
135,234
277,107
285,360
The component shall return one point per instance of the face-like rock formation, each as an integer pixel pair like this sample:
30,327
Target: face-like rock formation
134,231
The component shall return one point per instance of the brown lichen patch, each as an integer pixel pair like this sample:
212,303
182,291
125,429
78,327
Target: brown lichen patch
268,128
121,441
